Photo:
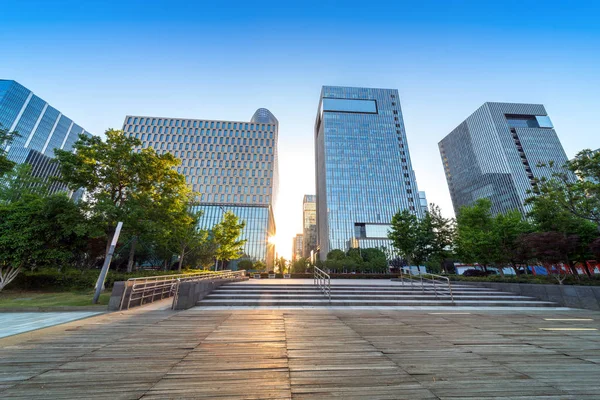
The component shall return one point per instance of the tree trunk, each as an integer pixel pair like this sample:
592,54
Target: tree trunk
571,265
7,275
166,265
501,270
131,254
181,259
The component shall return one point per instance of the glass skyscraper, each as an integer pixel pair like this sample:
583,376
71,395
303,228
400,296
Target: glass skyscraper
41,128
495,153
363,170
231,164
309,225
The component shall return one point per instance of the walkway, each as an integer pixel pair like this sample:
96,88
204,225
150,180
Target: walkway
309,354
13,323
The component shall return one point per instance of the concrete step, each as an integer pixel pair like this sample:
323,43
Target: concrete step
431,296
373,303
356,292
351,288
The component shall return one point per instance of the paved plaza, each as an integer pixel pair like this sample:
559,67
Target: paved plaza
152,353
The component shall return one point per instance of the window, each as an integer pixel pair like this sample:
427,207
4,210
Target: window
349,105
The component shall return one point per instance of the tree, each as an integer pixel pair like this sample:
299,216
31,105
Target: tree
38,231
300,265
507,231
139,188
227,237
375,260
551,248
404,235
422,240
580,197
244,264
548,215
281,265
259,265
185,236
6,138
19,182
476,239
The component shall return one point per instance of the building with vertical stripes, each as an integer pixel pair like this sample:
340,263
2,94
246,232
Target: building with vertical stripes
309,225
363,169
41,129
497,152
233,166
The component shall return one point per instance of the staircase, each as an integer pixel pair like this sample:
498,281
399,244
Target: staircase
349,294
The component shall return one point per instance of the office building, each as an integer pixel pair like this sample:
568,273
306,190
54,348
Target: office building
363,169
423,202
41,129
496,154
309,225
297,247
231,164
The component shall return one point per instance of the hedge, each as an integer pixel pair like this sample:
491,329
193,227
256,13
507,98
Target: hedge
53,279
534,279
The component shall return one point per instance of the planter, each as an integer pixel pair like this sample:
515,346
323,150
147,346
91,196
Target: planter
287,276
256,276
272,276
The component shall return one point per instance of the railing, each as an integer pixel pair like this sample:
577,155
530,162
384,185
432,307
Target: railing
428,282
150,289
323,281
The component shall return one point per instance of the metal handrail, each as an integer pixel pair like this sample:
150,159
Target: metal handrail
323,281
149,289
433,278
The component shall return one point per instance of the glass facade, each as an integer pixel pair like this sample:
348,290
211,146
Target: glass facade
309,225
297,247
495,154
41,129
363,168
231,164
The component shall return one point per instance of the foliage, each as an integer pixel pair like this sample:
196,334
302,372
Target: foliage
6,138
259,265
139,188
226,234
19,182
425,240
244,264
580,197
281,265
533,279
357,260
300,265
475,235
38,232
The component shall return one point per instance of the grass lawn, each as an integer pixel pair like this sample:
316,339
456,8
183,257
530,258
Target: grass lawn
17,298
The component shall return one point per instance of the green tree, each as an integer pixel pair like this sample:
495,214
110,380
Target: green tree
38,231
19,182
259,265
227,237
581,196
404,234
300,265
507,230
548,215
139,188
6,138
374,260
185,236
476,240
281,265
244,264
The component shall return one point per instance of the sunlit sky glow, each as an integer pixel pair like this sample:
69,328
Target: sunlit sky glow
97,61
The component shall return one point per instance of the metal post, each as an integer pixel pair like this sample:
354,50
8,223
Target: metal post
111,250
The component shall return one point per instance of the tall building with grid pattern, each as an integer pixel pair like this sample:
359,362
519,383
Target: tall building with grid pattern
363,170
41,129
496,154
309,225
231,164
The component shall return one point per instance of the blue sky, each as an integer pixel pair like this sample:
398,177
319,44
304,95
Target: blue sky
97,61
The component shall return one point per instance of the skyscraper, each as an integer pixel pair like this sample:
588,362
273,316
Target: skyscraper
41,128
363,169
309,224
232,164
495,153
297,247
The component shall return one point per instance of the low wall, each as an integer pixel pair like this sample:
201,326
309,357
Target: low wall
192,292
189,293
587,297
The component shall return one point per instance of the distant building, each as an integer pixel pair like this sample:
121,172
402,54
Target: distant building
232,164
423,202
297,247
495,154
41,128
363,170
309,225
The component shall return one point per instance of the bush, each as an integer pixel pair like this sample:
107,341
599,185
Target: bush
72,279
535,279
474,272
